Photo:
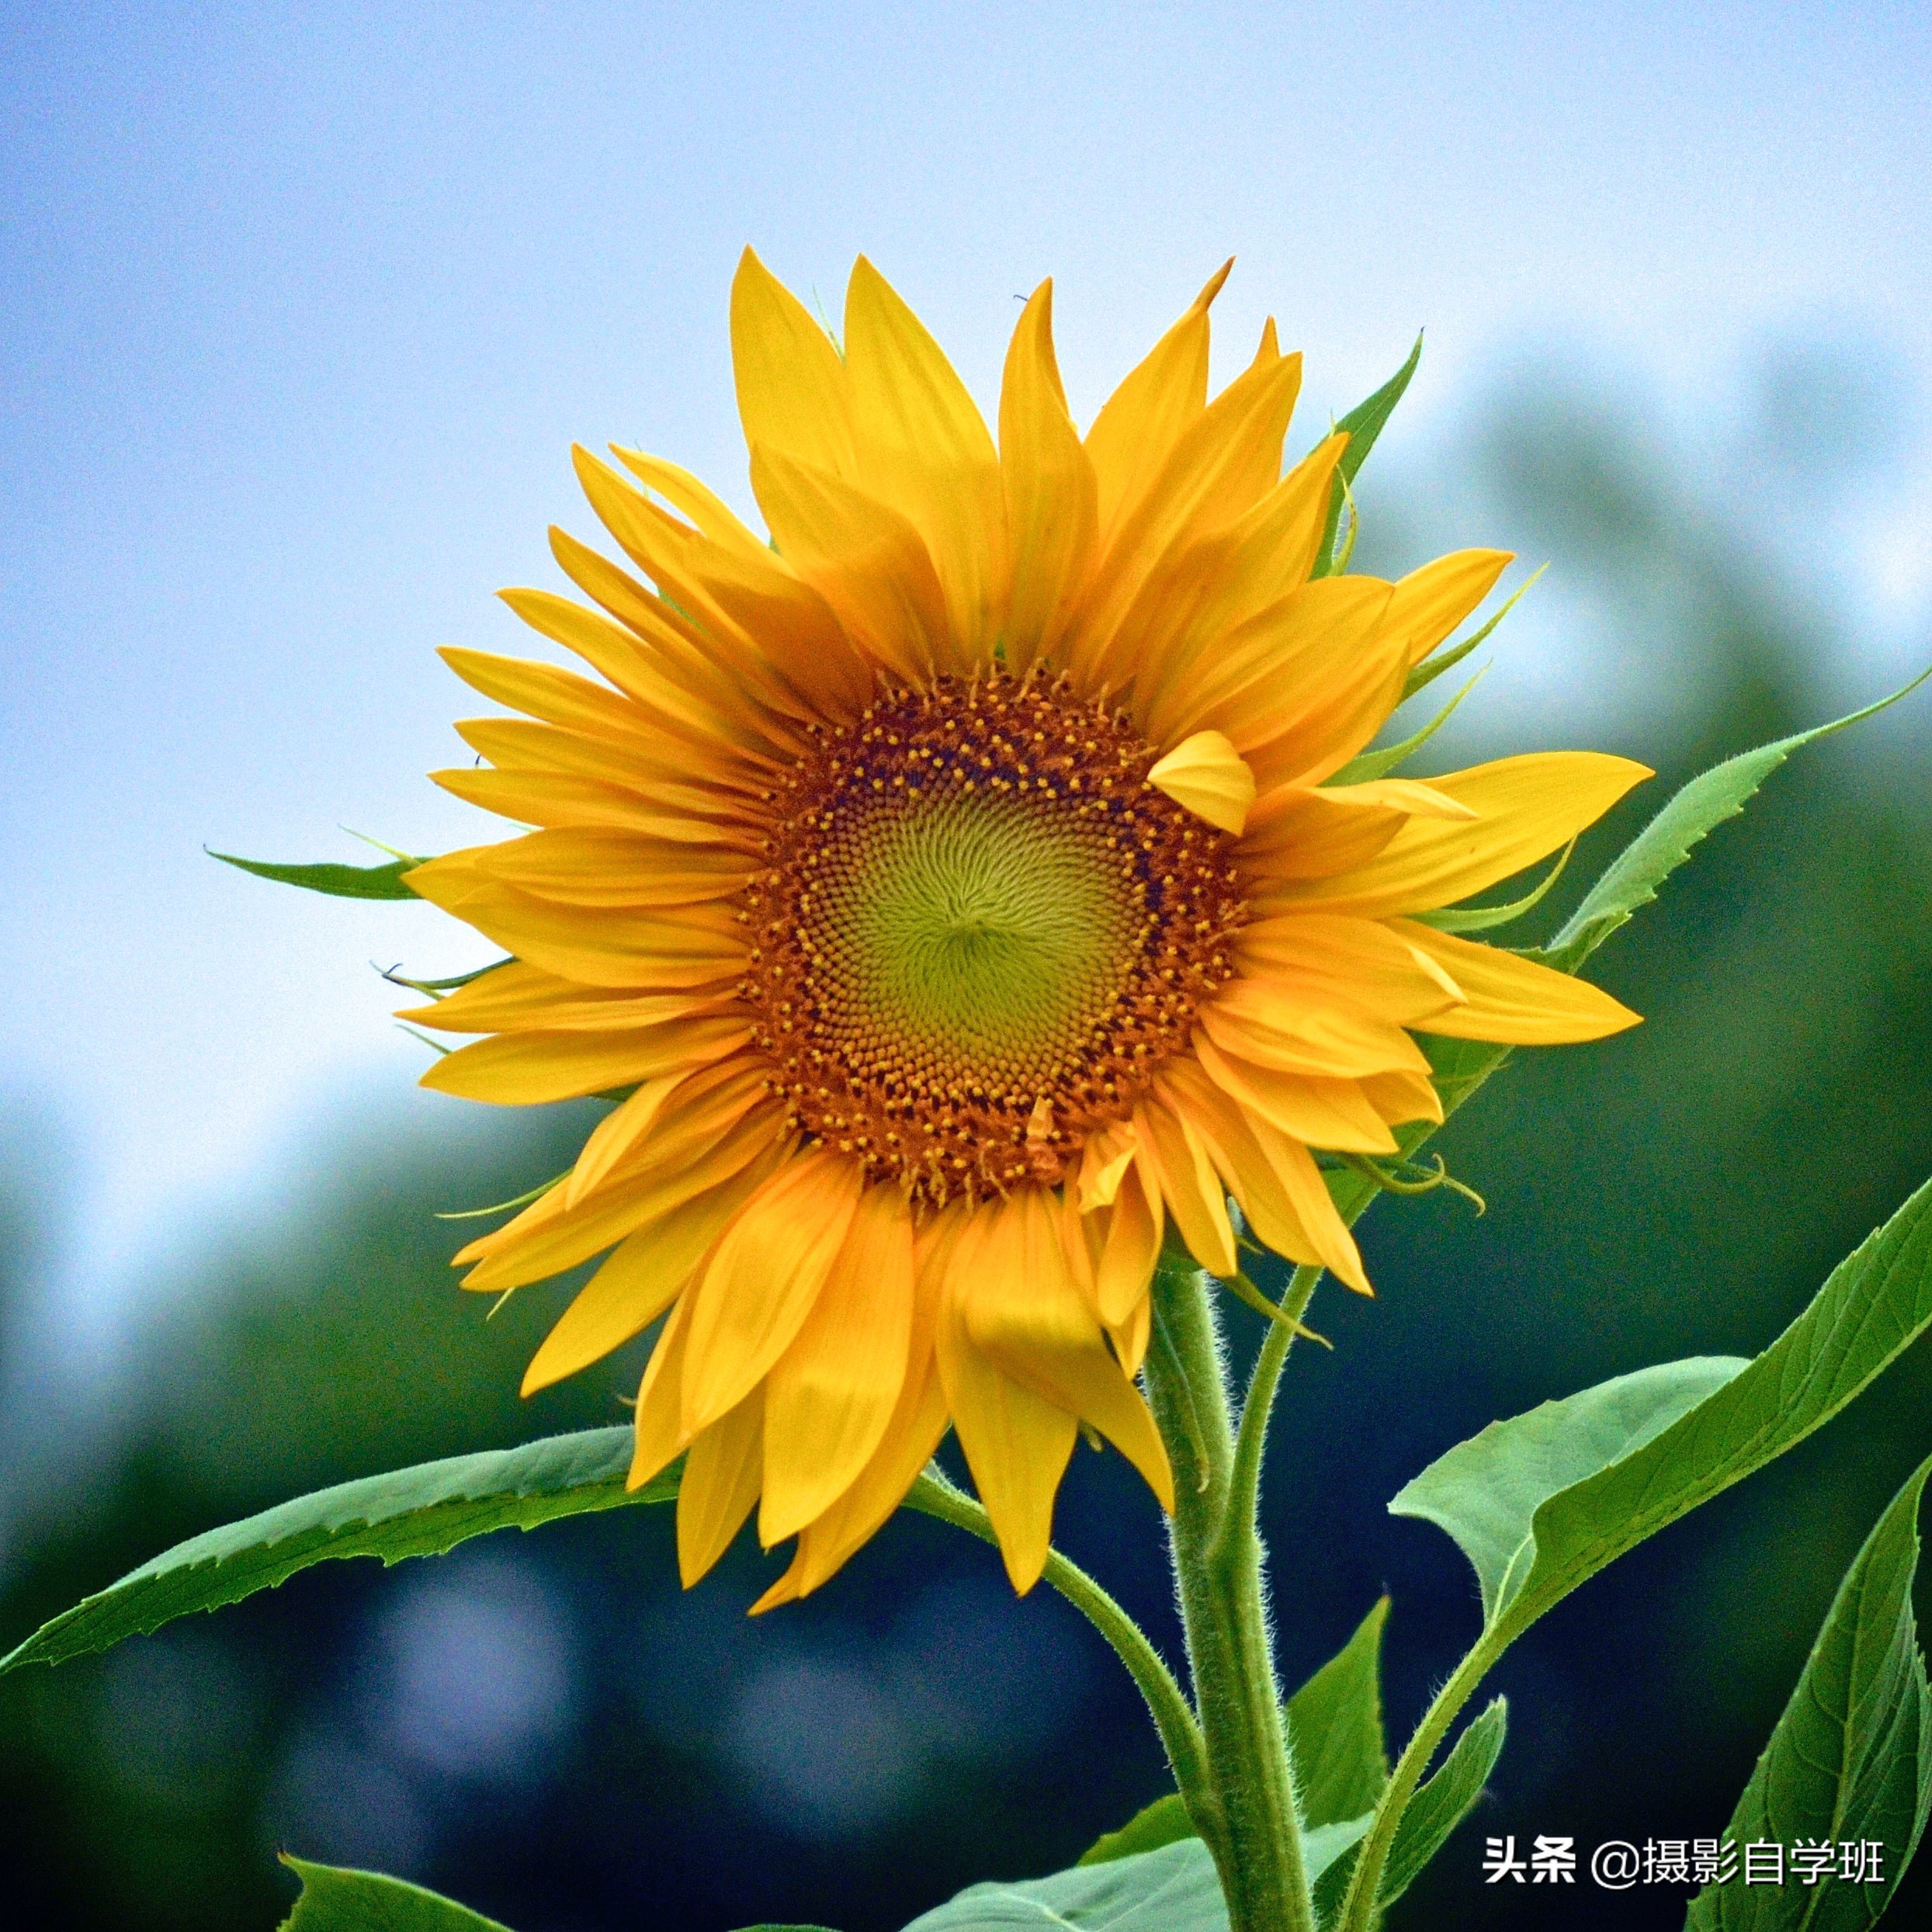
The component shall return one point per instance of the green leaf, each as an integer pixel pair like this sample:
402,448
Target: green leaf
1485,1493
415,1512
335,1899
1433,1813
1334,1729
1538,1469
1363,423
1165,1822
1442,1804
1851,1757
1633,877
1172,1890
340,882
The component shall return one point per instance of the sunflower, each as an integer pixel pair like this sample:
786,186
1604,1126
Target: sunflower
952,890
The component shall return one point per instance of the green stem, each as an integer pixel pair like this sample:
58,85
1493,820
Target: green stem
1245,1809
1244,1481
1358,1911
933,1495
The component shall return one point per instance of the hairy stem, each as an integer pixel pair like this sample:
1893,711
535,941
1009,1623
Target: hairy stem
1244,1480
1245,1808
932,1494
1358,1911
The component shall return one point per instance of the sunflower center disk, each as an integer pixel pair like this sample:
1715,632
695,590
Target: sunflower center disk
980,932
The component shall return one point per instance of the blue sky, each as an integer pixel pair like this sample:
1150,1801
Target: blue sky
300,307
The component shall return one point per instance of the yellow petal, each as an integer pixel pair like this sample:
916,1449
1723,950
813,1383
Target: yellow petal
1016,1443
914,1433
1301,669
1312,964
551,799
1319,1112
1251,1171
1130,1249
552,1234
1527,807
1179,1166
794,393
1254,1020
830,1396
1301,832
1143,419
1430,602
1239,570
584,866
1051,498
640,1279
663,950
1507,998
523,1070
640,1136
525,744
696,500
762,1282
864,559
559,697
1024,1312
720,1484
1226,459
923,447
1314,1206
1206,775
658,1432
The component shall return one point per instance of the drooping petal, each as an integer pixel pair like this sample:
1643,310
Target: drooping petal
720,1484
1319,1112
831,1394
1178,1165
1124,1268
1024,1311
659,1436
1016,1443
1268,1182
761,1283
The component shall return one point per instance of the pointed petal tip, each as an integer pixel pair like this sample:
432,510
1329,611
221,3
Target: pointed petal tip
1215,283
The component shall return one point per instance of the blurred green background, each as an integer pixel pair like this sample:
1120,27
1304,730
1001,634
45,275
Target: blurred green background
543,1726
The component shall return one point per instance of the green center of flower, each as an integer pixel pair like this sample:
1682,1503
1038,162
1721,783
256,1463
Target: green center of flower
981,931
977,939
